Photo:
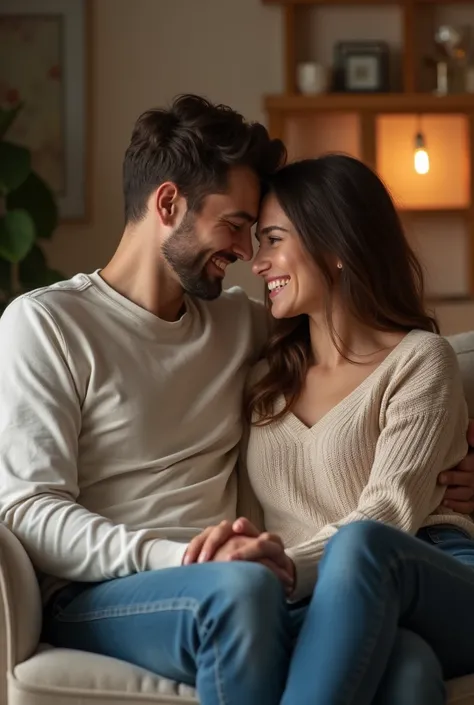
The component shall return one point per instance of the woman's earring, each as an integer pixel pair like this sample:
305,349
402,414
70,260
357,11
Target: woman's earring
339,265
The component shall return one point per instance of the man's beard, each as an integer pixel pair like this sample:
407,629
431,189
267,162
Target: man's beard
189,265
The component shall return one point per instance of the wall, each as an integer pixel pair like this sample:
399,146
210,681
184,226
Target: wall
147,51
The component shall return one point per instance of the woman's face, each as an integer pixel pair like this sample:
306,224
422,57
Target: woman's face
294,281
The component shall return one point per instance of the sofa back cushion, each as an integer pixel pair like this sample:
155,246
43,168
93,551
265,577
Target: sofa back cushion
463,344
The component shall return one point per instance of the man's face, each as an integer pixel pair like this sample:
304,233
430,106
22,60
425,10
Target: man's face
204,244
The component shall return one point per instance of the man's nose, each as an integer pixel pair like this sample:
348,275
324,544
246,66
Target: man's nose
243,248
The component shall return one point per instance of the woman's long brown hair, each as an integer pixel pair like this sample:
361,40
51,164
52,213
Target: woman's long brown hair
340,208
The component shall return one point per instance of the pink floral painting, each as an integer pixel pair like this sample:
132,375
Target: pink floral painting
30,73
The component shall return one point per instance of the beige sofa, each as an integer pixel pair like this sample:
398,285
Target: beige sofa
32,674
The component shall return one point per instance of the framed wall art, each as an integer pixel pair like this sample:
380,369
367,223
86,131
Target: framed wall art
45,64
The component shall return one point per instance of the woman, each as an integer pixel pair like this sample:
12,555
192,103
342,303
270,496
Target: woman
355,410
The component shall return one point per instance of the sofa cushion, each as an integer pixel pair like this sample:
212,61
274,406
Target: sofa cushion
463,344
61,674
66,677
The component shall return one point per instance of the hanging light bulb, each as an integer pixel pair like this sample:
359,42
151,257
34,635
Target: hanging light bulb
421,157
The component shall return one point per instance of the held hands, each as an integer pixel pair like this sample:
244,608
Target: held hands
242,541
460,481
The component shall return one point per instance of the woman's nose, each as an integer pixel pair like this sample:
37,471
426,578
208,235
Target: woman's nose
260,265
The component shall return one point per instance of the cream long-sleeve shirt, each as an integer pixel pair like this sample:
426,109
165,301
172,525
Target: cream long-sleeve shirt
119,432
376,455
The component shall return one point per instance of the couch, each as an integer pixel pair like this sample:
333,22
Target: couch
37,674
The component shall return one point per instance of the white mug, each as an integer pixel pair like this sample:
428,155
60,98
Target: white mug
311,77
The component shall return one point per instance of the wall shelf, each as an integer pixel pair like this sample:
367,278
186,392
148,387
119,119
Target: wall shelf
422,212
372,102
366,2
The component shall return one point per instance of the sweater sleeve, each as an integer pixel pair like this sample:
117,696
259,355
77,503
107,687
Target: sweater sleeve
423,433
40,423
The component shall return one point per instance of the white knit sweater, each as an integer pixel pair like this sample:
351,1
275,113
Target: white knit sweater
376,455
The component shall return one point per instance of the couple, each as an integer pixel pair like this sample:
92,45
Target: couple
121,398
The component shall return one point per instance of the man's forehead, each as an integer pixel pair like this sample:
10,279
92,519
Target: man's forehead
233,206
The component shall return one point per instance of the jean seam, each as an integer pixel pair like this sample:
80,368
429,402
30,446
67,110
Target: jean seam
128,610
395,562
219,680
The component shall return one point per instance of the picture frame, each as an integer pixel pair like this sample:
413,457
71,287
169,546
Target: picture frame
361,67
45,64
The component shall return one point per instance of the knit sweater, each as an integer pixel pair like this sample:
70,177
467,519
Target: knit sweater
119,432
375,455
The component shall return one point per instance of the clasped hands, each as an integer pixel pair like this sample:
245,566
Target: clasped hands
242,541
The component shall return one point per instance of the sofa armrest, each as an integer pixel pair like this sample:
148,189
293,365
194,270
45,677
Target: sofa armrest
20,607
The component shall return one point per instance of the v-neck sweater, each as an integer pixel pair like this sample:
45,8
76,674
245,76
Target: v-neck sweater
375,455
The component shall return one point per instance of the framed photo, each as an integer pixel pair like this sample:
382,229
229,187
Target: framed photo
45,64
361,67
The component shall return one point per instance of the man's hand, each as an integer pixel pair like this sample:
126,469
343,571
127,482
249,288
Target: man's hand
460,481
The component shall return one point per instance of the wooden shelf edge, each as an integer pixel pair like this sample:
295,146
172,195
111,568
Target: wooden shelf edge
449,299
376,102
464,211
366,2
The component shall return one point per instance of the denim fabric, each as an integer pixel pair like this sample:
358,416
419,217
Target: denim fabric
374,582
221,626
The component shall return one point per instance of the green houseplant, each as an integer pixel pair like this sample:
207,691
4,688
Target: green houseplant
28,214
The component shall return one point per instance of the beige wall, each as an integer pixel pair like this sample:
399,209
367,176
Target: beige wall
147,51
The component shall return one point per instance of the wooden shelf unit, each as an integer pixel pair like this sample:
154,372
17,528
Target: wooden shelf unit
418,21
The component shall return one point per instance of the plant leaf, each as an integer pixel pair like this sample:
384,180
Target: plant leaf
17,235
5,277
7,118
52,276
34,272
35,196
32,269
15,165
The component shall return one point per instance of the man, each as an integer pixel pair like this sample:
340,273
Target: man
120,398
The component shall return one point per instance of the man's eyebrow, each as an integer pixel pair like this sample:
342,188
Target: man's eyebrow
243,215
268,230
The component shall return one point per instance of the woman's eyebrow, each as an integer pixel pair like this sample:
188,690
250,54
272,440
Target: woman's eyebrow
268,230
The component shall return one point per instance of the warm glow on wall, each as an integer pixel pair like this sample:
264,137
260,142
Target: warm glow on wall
425,163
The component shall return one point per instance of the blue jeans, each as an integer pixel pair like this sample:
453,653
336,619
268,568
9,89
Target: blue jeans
222,626
374,580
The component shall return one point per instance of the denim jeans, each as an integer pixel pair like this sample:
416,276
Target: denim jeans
373,581
222,626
